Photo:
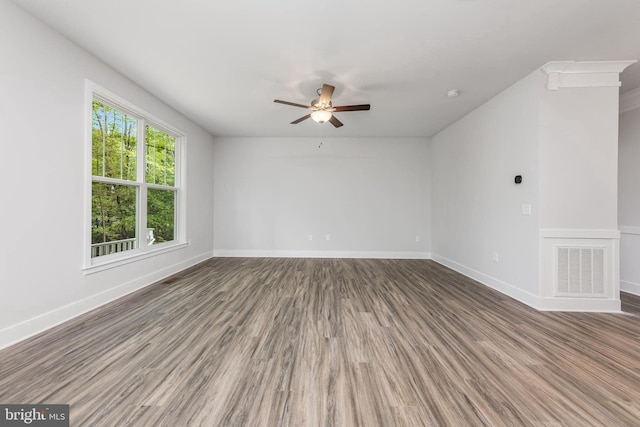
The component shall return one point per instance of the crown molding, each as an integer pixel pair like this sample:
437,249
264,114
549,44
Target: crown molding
630,100
561,74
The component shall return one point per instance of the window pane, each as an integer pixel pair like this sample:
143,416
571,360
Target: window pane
113,218
161,216
113,143
161,157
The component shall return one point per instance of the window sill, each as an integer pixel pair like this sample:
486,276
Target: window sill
101,265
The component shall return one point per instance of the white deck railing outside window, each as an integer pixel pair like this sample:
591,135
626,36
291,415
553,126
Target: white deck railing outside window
115,246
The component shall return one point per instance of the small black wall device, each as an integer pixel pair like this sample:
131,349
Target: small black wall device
518,179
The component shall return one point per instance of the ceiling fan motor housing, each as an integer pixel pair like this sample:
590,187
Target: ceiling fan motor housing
316,104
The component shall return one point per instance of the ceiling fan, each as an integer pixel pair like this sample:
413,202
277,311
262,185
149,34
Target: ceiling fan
322,109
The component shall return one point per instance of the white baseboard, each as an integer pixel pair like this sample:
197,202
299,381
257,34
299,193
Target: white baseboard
35,325
630,287
233,253
497,284
534,301
591,305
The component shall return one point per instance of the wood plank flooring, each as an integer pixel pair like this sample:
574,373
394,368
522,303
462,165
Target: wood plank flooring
330,342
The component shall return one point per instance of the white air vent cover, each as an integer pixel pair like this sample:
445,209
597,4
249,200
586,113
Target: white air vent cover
580,271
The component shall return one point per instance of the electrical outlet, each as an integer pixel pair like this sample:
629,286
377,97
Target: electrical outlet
328,236
496,257
310,236
417,238
525,209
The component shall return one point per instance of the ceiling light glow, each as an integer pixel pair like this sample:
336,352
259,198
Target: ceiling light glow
321,116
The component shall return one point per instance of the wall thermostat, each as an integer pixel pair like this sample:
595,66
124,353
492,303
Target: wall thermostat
518,179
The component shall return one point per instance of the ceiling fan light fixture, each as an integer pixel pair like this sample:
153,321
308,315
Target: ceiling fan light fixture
322,108
321,116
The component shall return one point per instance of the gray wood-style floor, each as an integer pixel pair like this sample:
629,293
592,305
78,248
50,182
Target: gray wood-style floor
330,342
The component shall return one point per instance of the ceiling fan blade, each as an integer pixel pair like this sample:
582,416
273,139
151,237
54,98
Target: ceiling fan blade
325,95
292,103
295,122
360,107
335,122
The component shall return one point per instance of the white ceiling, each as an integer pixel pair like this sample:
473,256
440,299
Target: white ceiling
222,63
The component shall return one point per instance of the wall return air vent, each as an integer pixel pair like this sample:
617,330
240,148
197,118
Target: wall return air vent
580,271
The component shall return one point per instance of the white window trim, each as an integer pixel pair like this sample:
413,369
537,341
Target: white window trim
94,265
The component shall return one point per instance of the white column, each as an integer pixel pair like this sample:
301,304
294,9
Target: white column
578,171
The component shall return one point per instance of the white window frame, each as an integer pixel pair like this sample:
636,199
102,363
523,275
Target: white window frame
95,92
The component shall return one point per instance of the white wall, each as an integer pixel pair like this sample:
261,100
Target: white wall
564,143
629,169
42,118
629,200
371,195
476,206
579,158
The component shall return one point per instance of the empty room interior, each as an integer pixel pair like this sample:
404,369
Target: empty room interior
331,213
